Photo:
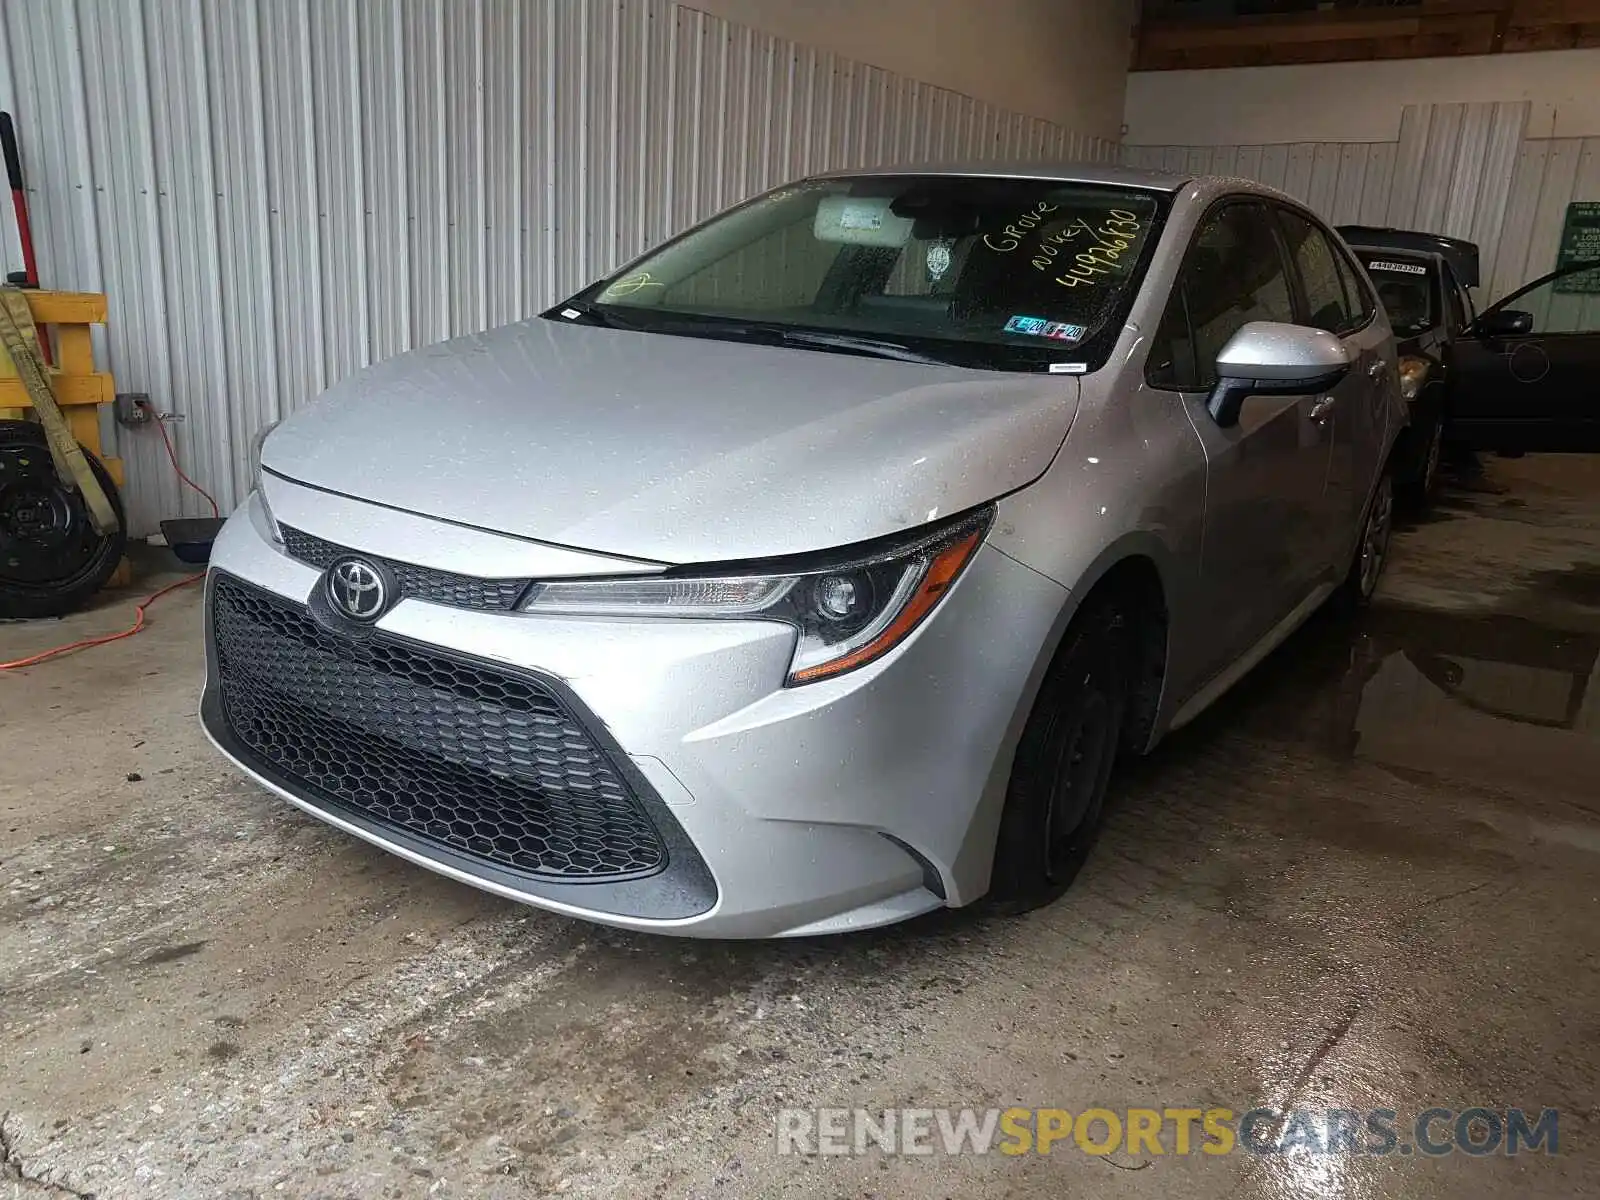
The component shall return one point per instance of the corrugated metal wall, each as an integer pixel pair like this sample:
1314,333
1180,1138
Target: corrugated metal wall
1550,174
275,193
1467,170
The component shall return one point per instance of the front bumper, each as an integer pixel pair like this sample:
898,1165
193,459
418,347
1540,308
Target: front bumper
845,804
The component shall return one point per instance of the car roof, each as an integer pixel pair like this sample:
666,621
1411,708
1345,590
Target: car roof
1065,172
1206,187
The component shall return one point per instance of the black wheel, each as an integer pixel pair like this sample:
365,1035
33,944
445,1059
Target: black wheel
1372,551
51,559
1056,797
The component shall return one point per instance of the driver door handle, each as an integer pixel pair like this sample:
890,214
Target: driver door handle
1322,410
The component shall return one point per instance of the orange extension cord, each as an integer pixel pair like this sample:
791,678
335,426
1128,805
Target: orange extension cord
137,625
138,621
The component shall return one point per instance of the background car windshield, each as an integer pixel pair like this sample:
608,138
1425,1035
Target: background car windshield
1011,273
1406,288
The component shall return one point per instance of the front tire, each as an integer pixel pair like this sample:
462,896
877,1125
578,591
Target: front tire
1059,779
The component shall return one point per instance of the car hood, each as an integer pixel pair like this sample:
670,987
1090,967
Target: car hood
672,449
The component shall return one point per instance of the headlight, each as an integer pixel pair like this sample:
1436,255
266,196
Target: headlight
255,453
845,613
1413,374
255,478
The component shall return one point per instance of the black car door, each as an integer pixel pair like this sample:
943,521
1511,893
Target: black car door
1526,375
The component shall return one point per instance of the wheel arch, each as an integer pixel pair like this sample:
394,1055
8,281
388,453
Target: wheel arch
1138,568
1135,574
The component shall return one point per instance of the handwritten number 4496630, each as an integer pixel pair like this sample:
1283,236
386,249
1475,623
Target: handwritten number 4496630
1108,240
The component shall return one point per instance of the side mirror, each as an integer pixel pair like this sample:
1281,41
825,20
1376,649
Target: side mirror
1269,358
1505,322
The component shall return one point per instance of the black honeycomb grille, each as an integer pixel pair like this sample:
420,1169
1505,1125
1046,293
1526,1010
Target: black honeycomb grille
420,583
455,752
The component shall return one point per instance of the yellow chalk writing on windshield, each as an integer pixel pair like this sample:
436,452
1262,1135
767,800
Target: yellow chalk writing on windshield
630,285
1012,236
1113,237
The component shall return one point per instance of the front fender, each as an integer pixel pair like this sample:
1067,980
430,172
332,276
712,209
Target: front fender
972,866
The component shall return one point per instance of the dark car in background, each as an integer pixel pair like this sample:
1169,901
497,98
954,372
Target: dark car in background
1523,375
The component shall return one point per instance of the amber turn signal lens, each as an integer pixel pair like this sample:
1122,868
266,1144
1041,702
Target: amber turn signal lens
942,572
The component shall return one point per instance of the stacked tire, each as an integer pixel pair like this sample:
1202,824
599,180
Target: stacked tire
51,558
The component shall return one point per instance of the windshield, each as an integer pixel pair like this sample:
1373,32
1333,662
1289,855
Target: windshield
1014,274
1405,285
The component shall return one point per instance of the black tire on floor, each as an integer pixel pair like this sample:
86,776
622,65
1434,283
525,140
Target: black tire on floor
1059,779
51,559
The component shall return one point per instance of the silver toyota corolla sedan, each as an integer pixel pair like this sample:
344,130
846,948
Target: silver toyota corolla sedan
813,570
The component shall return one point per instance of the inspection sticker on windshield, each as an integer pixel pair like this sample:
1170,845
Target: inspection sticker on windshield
860,216
1403,268
1039,327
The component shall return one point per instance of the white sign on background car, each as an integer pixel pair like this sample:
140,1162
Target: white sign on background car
1405,268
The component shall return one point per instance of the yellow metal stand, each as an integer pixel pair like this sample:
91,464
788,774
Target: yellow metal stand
78,388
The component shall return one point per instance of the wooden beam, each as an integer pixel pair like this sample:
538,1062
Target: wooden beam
1553,37
1440,28
1554,12
67,308
1195,36
68,390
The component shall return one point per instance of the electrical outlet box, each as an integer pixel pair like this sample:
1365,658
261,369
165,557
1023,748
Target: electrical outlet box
133,408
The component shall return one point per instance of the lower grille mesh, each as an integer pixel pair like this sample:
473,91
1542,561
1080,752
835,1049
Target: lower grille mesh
464,754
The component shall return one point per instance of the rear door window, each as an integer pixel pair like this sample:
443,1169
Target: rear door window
1327,303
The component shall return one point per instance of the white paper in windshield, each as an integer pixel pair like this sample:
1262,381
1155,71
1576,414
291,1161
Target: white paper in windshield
1403,268
861,217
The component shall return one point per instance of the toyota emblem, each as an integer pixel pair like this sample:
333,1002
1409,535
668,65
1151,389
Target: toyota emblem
357,589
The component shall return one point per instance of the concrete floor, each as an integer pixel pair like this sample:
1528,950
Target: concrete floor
1369,878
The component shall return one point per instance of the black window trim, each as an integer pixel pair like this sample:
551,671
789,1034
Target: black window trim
1448,287
1463,294
1174,294
1372,305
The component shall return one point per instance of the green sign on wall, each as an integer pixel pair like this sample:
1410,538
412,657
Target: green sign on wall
1580,242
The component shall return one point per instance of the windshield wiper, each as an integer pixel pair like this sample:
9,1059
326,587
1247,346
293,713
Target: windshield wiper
688,325
873,346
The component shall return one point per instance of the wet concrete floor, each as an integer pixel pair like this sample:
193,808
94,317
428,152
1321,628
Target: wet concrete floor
1370,878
